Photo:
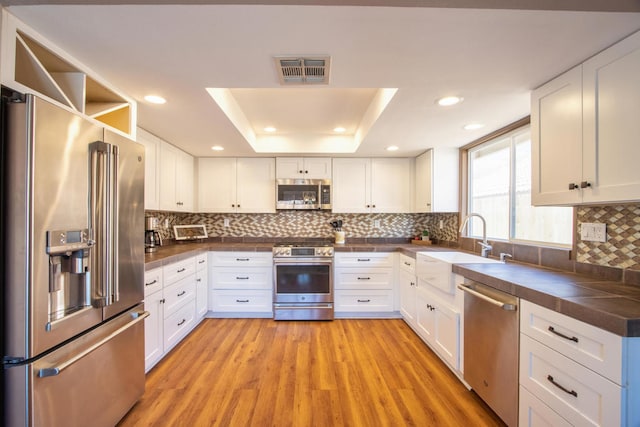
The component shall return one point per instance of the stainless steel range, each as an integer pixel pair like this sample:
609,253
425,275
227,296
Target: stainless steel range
303,282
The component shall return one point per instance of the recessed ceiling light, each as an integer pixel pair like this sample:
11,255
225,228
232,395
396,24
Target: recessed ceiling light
270,129
339,129
473,126
392,148
449,100
217,148
155,99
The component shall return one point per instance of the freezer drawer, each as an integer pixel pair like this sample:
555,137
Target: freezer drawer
93,380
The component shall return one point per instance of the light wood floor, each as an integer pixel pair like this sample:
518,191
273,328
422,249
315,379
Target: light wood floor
259,372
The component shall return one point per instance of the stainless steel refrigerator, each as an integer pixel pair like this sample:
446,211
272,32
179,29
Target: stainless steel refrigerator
72,235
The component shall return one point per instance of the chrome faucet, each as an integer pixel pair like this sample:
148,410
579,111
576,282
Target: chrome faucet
486,247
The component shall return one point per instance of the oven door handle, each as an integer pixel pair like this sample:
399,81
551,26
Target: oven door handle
502,305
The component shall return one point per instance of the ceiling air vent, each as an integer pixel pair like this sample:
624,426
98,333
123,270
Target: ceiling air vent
303,71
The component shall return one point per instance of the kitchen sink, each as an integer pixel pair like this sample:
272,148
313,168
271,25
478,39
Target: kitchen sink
434,268
458,257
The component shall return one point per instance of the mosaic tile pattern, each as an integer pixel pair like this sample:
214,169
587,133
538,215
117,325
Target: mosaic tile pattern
622,248
314,224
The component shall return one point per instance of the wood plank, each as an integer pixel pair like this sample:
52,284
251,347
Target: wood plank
259,372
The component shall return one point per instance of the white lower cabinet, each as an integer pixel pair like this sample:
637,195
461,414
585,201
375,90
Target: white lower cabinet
363,283
241,284
408,281
575,373
154,324
202,285
439,325
171,298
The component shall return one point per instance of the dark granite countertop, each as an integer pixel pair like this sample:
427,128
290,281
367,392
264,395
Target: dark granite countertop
612,306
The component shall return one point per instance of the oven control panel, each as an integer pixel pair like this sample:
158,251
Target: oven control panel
302,251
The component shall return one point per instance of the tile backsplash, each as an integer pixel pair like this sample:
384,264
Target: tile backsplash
315,224
622,248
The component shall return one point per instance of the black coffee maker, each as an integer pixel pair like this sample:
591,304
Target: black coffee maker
151,236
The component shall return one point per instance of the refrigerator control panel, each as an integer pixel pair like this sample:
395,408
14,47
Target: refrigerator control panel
62,241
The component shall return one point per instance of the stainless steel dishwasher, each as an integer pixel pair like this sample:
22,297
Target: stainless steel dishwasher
491,342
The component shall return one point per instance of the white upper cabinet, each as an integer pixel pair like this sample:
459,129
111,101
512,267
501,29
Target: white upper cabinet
372,185
437,180
303,167
611,111
176,179
583,127
151,182
245,185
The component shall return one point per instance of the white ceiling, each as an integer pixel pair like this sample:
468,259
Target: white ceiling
493,58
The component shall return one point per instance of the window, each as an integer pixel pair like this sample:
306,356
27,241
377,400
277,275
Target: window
500,190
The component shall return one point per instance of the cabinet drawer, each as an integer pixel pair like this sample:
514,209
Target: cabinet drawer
178,294
533,412
152,281
364,259
353,278
370,300
247,278
407,264
576,393
245,259
201,261
173,272
222,300
592,347
179,324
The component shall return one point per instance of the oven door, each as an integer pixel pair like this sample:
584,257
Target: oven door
302,280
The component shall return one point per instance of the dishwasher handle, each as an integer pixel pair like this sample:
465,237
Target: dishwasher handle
503,305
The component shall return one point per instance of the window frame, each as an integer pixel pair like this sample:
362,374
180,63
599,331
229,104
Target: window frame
464,188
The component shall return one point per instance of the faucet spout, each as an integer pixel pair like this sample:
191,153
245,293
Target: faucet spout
486,247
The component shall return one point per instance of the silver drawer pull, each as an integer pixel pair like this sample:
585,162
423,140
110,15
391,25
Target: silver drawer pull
364,259
242,278
182,293
566,337
242,259
242,300
364,300
151,283
566,390
364,278
182,322
181,270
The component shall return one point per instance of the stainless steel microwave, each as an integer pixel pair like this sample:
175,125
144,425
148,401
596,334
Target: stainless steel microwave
303,194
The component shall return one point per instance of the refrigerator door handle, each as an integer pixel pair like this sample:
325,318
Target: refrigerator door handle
56,370
115,230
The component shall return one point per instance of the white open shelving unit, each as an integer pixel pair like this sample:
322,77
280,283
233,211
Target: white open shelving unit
30,64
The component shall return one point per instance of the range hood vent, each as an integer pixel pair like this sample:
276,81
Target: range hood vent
303,71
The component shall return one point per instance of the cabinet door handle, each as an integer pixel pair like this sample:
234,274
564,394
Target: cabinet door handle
181,293
242,277
201,261
573,186
560,334
566,390
364,278
242,300
364,300
300,171
407,263
181,270
585,184
153,282
373,206
198,280
182,322
233,206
